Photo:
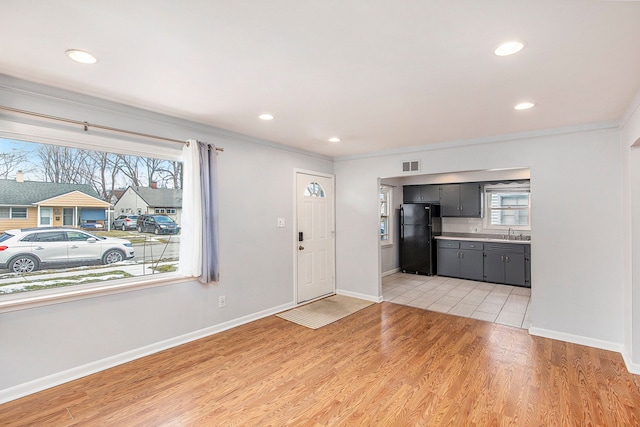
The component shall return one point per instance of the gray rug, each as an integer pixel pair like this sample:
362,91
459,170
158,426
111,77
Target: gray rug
325,311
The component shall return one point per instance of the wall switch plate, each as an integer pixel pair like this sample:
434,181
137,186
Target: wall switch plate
222,301
280,222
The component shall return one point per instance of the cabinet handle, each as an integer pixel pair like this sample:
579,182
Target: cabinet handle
502,258
506,259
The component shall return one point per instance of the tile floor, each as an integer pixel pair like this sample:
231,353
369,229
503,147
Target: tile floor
504,304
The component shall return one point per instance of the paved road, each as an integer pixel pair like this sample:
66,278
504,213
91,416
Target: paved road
151,250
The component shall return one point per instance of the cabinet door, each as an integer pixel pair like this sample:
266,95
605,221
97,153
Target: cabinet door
431,193
471,264
448,262
527,270
470,200
494,266
450,200
411,194
514,269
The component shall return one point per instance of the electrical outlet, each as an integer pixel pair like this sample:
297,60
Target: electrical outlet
222,301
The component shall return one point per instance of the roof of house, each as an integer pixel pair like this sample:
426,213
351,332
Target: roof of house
13,193
160,197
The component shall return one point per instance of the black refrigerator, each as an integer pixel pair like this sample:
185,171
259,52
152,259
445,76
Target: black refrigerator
419,223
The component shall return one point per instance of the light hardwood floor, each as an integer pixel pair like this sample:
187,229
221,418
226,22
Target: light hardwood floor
387,365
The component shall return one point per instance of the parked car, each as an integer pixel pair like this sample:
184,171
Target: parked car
92,225
125,222
158,224
29,249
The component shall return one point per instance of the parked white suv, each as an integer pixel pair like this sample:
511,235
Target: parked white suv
29,249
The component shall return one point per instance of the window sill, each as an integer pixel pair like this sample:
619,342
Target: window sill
33,299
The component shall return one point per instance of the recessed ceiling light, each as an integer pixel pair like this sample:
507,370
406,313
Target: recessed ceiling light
509,48
524,106
334,139
81,56
265,116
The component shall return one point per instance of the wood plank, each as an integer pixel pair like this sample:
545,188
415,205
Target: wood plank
385,365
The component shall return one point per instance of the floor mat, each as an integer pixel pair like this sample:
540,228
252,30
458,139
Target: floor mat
325,311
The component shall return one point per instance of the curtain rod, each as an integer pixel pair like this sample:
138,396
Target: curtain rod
87,125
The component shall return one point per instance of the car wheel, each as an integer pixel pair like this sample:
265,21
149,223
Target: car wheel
124,227
156,230
23,264
112,256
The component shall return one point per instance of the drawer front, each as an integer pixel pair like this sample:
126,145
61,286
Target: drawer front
478,246
454,244
505,247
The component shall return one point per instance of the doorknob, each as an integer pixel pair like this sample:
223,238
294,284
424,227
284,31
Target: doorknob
301,248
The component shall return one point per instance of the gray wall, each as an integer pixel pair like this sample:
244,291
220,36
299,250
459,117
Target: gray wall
578,293
44,345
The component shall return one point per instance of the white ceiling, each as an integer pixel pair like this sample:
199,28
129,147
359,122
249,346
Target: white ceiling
380,74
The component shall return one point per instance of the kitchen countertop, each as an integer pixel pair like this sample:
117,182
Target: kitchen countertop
477,237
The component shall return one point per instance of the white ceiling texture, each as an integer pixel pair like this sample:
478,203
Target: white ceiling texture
379,74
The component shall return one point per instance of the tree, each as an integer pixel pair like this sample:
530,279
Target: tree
63,164
102,172
171,174
13,161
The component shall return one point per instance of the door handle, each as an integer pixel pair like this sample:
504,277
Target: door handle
301,248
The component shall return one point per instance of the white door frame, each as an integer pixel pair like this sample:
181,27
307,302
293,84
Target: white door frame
295,243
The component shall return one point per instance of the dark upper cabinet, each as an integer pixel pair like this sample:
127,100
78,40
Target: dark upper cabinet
462,200
450,200
420,193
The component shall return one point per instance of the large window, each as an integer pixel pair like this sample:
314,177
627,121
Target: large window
76,191
385,215
508,206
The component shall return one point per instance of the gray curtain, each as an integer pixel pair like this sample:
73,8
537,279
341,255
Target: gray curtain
209,184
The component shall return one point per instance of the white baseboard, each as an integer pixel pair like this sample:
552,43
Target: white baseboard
390,272
633,368
577,339
360,296
49,381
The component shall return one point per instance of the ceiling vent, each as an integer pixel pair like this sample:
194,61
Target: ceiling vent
411,166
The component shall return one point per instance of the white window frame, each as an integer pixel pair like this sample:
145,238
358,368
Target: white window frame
41,134
11,214
387,214
505,188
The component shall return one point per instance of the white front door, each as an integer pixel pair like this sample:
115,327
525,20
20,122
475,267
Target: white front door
46,217
315,243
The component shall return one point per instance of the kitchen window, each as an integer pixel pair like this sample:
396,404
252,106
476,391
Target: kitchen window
385,215
508,206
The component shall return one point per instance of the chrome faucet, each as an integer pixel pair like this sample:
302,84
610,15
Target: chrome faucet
509,233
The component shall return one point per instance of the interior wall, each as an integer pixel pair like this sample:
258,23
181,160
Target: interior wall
390,254
578,292
630,133
46,345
